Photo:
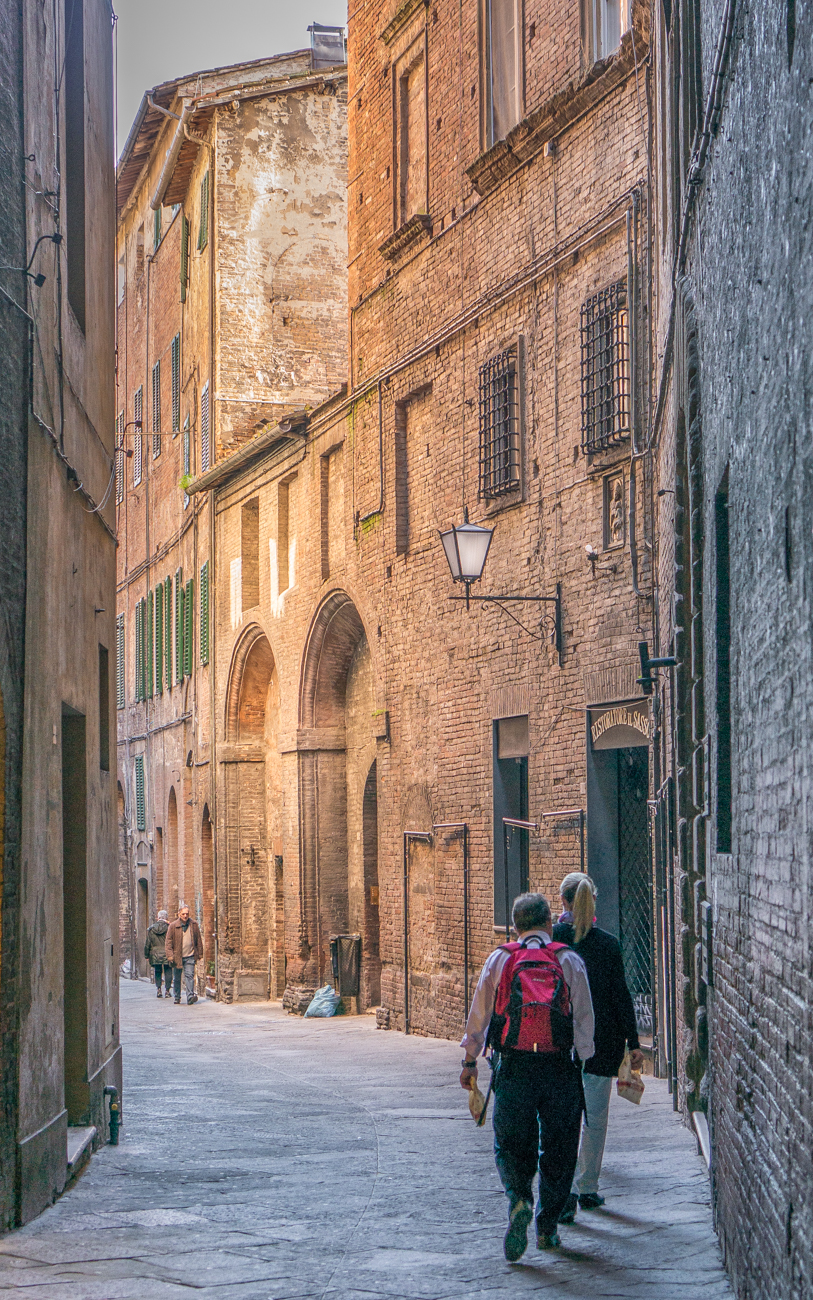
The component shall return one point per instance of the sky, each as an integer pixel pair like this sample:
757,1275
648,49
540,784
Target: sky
159,40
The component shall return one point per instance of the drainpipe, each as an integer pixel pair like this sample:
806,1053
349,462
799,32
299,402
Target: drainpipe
424,837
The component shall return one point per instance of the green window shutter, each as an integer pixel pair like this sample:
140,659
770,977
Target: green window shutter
184,257
168,631
140,801
203,228
156,409
156,228
149,658
187,456
120,662
143,604
138,651
204,613
159,639
176,383
179,625
189,628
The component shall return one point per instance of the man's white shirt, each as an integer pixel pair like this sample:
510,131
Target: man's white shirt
575,973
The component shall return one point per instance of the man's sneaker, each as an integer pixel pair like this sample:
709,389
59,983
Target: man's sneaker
177,1002
516,1238
591,1201
547,1240
569,1211
191,999
159,993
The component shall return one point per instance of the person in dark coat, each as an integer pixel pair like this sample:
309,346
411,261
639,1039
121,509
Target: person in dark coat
156,953
616,1030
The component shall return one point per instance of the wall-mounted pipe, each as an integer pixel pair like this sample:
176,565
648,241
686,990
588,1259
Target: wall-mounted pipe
424,837
172,156
115,1113
464,827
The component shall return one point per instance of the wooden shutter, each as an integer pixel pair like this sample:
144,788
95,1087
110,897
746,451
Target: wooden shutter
203,229
176,383
187,456
138,432
139,647
156,409
168,630
149,645
119,454
205,457
159,639
156,228
184,256
179,625
140,801
189,628
204,613
120,662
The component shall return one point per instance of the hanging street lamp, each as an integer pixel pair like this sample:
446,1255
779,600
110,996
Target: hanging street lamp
466,547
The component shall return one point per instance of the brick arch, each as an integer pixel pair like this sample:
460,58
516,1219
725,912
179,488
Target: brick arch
252,661
334,637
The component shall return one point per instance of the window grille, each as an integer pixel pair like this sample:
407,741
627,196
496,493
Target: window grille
204,613
119,454
140,802
156,409
176,383
203,228
205,458
120,662
605,365
499,425
138,441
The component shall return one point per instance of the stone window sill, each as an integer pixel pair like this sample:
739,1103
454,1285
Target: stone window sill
411,232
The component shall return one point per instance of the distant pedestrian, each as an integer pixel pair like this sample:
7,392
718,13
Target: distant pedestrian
616,1030
184,948
532,1006
155,950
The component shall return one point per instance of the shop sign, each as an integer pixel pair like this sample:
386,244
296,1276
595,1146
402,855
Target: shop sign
621,726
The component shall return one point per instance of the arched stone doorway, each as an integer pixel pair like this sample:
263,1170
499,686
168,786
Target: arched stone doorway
171,855
338,797
249,946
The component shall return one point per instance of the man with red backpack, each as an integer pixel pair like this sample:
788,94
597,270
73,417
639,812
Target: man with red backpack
532,1007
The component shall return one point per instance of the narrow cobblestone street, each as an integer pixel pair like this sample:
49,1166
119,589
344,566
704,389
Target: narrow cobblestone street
264,1156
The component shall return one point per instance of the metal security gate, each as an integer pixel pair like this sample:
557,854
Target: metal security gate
634,881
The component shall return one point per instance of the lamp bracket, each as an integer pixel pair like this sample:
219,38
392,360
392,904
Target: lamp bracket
556,601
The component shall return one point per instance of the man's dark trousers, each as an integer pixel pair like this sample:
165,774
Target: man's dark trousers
538,1106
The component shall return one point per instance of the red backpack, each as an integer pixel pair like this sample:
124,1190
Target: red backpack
532,1011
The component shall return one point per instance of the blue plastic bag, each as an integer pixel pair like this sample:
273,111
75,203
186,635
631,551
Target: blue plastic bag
324,1002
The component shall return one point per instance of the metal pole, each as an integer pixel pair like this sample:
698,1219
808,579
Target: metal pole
581,837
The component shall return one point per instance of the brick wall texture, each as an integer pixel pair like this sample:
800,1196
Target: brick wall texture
747,287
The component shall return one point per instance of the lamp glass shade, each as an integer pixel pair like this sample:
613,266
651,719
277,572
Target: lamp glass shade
466,549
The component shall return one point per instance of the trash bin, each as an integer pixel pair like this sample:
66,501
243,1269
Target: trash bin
345,958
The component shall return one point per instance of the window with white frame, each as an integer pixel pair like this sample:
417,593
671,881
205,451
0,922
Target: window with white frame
502,49
605,22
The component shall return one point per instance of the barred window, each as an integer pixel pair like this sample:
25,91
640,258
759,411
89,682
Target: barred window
138,439
119,455
499,425
156,409
176,383
605,363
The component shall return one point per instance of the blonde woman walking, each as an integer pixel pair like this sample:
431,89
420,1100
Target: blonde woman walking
616,1030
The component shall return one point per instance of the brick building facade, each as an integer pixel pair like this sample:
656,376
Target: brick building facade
231,317
499,364
731,435
58,904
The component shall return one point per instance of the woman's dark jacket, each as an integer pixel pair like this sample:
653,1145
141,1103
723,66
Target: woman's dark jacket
155,947
612,1002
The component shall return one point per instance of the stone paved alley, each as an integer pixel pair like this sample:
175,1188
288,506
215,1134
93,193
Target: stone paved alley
269,1158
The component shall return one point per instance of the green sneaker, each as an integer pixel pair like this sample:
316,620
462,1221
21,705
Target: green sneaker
547,1240
516,1238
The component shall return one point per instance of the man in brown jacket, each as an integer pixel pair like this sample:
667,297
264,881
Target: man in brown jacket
184,947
